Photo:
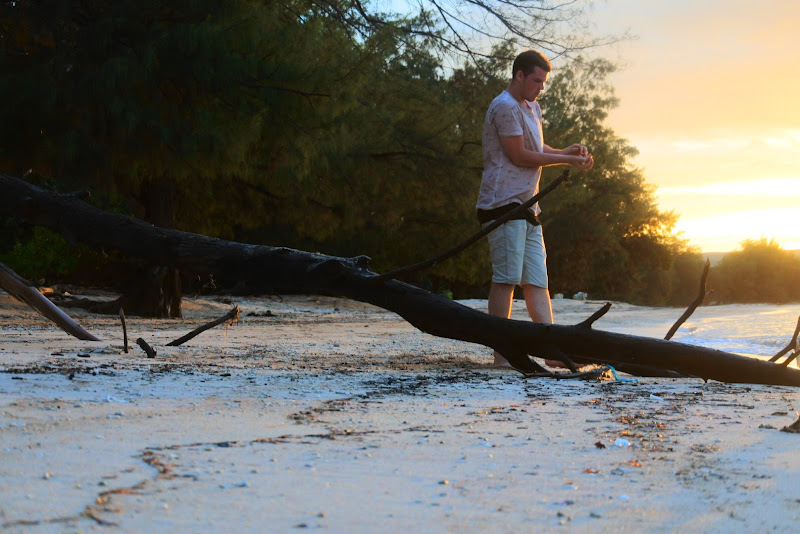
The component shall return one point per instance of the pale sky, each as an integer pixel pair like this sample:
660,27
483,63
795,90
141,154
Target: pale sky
710,95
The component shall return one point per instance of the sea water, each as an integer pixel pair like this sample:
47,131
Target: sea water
754,329
759,330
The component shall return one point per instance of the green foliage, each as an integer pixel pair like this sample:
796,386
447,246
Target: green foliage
44,254
604,232
274,123
760,272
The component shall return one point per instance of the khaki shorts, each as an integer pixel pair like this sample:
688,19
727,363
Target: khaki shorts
518,254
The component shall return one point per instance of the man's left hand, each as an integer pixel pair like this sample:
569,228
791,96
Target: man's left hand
576,150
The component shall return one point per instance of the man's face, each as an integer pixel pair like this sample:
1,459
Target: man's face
533,83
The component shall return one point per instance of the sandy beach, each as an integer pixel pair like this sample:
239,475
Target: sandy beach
331,415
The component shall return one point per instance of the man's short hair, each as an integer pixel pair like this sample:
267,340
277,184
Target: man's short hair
529,60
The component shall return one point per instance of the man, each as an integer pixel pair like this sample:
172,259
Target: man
513,155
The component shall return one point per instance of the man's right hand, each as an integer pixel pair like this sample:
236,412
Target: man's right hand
582,163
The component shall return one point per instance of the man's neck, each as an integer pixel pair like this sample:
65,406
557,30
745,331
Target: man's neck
515,91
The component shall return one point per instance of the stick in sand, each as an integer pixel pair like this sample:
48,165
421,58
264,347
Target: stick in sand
124,330
232,316
147,348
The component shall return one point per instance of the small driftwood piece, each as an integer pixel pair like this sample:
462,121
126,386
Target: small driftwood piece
475,237
22,290
124,330
693,306
151,353
232,316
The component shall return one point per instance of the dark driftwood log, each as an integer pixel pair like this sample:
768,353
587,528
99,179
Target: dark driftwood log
21,289
293,271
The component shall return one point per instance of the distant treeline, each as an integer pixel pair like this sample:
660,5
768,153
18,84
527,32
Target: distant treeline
276,123
759,271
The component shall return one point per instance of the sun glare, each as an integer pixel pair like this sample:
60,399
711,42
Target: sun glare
771,187
725,232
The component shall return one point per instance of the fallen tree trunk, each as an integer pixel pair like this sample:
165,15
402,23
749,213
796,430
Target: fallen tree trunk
293,271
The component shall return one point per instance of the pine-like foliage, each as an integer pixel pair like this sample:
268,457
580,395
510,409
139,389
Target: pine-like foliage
292,123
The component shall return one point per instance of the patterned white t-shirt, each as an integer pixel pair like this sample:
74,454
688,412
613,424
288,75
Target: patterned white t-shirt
503,182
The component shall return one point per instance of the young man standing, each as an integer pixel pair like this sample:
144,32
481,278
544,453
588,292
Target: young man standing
514,153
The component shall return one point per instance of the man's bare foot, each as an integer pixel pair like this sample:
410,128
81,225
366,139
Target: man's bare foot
499,361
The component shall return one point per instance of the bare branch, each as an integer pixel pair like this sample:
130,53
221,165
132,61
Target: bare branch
693,306
475,237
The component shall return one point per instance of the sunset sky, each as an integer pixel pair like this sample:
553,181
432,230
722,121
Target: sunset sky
710,95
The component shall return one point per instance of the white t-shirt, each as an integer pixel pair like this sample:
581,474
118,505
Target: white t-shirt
503,182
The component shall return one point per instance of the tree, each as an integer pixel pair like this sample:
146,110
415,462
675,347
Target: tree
760,271
317,125
605,232
159,107
475,29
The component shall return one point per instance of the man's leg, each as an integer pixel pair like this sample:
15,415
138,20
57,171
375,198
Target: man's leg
500,298
537,299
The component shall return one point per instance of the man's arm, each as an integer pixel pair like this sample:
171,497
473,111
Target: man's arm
575,155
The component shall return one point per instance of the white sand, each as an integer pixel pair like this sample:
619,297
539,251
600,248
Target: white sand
337,416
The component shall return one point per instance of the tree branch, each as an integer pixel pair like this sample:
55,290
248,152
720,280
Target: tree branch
486,230
693,306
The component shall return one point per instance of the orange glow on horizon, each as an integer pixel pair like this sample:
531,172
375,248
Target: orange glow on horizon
711,103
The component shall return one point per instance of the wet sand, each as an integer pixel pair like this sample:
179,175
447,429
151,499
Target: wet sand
325,414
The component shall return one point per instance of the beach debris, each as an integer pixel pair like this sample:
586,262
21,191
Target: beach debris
794,428
243,484
619,378
621,442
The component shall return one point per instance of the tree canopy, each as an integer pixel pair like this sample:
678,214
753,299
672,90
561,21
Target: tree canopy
320,125
759,271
